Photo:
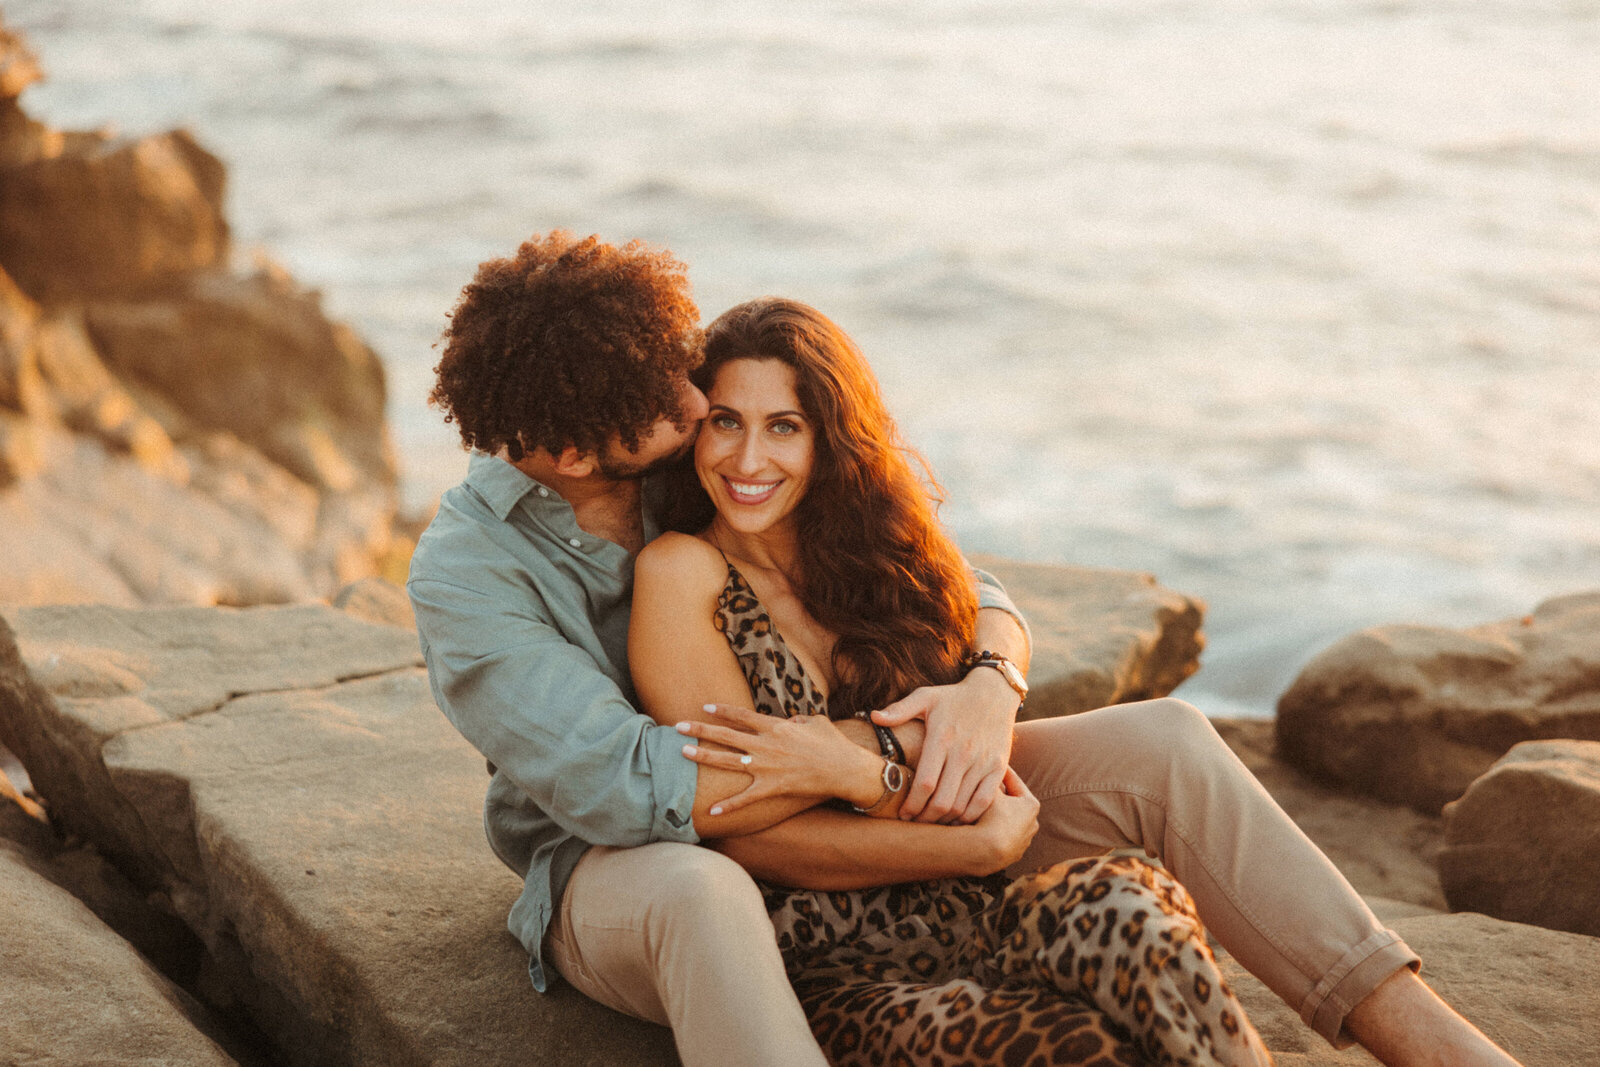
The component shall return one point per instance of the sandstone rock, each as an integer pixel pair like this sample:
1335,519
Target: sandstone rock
169,432
73,992
92,526
1100,637
217,523
21,139
89,400
23,822
377,601
112,218
283,775
21,453
1413,714
76,867
94,672
254,488
19,67
21,384
1524,842
1532,990
256,357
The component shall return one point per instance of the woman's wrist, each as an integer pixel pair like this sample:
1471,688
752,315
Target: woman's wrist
861,779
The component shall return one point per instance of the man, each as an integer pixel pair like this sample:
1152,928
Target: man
566,370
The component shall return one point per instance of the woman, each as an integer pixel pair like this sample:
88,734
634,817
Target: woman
815,527
978,969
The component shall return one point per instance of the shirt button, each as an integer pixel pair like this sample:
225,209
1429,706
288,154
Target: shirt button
575,543
543,491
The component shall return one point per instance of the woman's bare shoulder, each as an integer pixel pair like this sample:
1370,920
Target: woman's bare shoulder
680,559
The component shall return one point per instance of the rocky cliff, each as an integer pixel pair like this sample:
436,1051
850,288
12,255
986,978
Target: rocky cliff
173,428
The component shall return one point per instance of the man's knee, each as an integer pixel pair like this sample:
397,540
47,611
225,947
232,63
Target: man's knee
1178,736
1172,717
693,885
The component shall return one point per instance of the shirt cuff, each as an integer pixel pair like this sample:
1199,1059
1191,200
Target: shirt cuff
673,777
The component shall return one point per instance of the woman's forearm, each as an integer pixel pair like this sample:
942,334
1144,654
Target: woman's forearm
857,780
831,850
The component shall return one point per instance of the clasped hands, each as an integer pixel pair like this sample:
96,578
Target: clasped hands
960,750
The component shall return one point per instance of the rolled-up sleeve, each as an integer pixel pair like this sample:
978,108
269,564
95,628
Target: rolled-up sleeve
991,594
550,719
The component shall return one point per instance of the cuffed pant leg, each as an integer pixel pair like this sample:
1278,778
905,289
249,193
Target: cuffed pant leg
1156,776
677,934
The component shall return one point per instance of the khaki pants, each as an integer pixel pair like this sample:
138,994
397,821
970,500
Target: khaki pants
677,934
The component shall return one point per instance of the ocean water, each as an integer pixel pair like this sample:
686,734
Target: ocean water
1294,304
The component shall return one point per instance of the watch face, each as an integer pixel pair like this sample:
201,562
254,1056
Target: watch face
894,777
1014,676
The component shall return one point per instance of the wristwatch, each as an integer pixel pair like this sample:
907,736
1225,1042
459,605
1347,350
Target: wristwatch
894,780
1007,669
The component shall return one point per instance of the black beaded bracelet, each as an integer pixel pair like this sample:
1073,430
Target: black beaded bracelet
889,744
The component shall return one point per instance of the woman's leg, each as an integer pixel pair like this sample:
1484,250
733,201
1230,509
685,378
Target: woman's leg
677,934
1124,936
910,1024
1156,776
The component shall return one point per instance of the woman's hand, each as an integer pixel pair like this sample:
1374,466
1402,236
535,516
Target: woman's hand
805,756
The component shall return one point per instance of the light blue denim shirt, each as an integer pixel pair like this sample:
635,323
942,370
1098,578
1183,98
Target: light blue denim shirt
524,625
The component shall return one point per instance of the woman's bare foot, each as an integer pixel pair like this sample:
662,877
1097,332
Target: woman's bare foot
1405,1024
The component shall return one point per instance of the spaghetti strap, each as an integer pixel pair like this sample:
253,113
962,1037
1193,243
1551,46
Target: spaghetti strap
779,684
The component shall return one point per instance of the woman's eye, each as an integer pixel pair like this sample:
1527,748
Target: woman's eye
725,422
783,429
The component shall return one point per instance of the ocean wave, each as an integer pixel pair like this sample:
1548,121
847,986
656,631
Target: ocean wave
731,212
1522,150
929,285
469,122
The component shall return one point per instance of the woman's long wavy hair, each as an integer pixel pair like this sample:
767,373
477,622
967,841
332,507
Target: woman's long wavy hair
874,565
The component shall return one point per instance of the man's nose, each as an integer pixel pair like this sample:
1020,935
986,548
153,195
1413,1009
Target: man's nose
696,406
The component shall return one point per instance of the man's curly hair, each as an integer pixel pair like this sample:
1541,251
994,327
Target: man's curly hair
569,342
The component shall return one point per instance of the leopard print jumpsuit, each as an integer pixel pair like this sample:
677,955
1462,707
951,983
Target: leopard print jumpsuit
1095,962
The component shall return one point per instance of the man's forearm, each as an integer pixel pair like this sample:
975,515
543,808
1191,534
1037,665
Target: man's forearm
832,850
999,631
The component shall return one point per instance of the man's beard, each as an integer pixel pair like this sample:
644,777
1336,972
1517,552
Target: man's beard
619,470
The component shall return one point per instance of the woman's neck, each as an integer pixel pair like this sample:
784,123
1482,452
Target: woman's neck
776,548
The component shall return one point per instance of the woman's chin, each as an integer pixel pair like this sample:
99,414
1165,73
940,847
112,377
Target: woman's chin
749,520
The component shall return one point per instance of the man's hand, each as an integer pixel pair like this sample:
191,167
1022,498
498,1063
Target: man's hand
1009,824
965,750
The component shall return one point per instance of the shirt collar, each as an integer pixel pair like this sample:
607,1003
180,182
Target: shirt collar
499,483
503,486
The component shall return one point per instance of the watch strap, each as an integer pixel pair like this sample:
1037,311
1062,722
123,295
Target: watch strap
894,780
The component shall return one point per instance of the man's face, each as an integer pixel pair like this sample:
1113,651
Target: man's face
664,442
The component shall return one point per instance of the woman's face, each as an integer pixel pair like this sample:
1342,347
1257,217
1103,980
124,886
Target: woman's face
754,451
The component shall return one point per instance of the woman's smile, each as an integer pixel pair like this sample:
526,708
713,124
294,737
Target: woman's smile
751,492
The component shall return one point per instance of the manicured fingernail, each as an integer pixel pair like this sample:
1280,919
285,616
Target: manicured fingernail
717,810
683,727
709,709
744,759
690,751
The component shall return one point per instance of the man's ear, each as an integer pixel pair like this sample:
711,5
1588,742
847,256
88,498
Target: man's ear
571,463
